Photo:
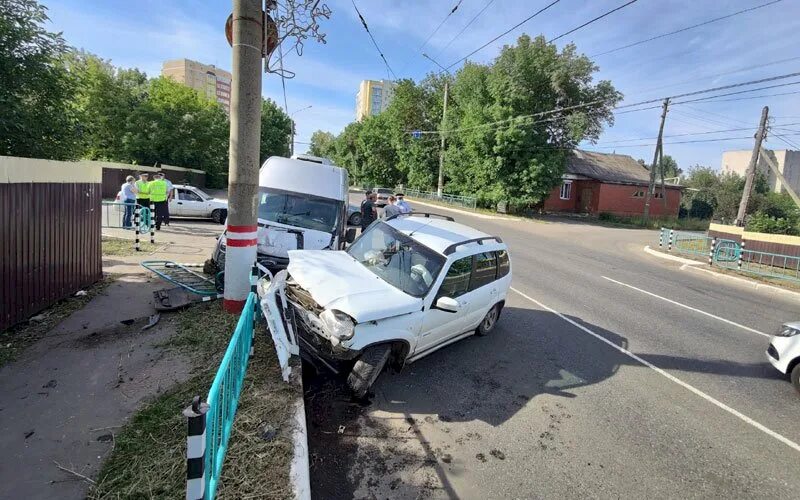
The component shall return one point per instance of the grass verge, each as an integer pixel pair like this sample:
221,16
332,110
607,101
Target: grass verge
124,247
15,339
149,456
687,224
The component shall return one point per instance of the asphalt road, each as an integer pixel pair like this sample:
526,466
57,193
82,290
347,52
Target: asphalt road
592,385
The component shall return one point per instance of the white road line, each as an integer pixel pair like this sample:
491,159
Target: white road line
672,378
733,323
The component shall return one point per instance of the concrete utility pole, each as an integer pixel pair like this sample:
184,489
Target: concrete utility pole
243,163
652,184
440,184
751,167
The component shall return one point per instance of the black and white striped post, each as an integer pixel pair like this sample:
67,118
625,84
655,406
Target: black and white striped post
711,251
671,236
196,449
254,289
136,226
152,223
661,238
741,255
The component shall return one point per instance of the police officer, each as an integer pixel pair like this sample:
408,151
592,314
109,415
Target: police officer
158,195
143,196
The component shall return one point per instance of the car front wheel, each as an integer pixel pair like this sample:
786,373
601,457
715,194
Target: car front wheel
219,215
367,368
489,321
355,219
794,376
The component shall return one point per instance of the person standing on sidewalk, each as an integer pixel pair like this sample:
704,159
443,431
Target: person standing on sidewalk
143,197
128,191
368,212
391,209
158,195
405,208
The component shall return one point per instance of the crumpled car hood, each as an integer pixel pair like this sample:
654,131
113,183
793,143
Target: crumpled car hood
336,281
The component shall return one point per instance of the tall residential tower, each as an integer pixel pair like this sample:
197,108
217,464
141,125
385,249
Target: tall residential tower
207,79
373,97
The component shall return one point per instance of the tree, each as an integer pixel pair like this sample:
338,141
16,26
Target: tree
104,99
378,159
276,130
322,144
670,167
35,88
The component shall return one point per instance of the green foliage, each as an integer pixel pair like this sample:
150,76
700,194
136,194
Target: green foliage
35,88
276,130
322,144
490,152
687,223
764,223
670,167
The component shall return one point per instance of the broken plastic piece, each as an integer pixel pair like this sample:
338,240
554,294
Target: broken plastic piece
151,321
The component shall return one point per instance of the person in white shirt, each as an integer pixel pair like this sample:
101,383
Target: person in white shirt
405,208
128,193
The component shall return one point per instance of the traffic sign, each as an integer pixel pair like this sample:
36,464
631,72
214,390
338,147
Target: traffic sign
416,134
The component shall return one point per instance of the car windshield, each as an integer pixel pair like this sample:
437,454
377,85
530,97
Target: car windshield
299,210
384,191
397,259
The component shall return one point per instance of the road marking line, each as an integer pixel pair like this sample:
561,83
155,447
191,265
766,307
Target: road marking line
733,323
672,378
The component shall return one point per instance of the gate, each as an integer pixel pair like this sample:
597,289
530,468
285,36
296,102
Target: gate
727,251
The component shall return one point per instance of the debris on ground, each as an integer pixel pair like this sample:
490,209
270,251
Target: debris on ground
81,293
151,321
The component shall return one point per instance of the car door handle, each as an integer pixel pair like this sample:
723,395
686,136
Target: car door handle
494,291
180,203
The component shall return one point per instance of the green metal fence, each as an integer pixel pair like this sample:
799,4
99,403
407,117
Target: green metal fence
113,215
468,202
210,422
730,254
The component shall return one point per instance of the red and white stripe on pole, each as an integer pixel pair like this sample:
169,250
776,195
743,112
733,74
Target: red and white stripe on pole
240,253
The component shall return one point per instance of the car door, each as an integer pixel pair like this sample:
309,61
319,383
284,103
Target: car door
192,204
174,208
438,325
483,288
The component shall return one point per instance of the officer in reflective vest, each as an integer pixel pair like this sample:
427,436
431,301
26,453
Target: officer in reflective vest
143,191
158,195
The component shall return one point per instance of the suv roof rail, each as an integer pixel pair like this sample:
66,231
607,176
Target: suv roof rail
424,214
479,241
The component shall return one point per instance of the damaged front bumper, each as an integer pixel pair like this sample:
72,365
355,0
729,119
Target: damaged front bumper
296,330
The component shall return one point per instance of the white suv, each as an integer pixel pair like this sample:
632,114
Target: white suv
406,287
784,352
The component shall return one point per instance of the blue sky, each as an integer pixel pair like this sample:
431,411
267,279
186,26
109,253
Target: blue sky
758,44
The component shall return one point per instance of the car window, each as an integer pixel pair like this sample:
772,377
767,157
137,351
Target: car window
188,195
456,281
300,210
397,259
384,191
503,265
485,270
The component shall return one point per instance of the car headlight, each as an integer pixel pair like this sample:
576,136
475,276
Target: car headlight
338,324
787,331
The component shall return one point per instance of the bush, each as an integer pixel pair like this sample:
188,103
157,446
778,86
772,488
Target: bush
700,209
762,222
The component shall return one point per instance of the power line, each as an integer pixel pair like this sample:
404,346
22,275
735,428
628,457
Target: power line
685,29
506,32
640,103
587,23
751,97
364,23
474,18
735,93
440,25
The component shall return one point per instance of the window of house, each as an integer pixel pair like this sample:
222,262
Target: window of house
485,270
658,194
638,194
566,190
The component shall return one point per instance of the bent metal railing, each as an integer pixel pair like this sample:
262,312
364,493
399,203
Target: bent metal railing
730,254
210,422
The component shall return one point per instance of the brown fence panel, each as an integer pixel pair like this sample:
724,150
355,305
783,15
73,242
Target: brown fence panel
49,245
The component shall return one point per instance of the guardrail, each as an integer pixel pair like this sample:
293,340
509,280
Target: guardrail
730,254
142,222
210,422
449,199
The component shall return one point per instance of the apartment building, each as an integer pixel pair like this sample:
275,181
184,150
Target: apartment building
213,82
373,97
788,162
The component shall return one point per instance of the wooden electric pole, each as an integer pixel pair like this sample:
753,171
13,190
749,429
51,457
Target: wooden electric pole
752,167
652,184
243,161
440,184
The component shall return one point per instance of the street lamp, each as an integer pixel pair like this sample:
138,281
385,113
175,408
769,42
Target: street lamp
290,117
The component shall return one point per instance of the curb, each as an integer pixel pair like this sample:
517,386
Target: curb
464,212
299,474
662,255
694,265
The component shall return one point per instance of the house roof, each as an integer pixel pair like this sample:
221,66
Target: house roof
607,167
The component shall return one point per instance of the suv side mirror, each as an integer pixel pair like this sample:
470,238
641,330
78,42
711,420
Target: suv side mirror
350,235
448,304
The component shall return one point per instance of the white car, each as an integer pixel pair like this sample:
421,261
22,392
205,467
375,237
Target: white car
409,285
784,352
189,201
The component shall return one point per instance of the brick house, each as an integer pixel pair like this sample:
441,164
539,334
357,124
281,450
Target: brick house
601,182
